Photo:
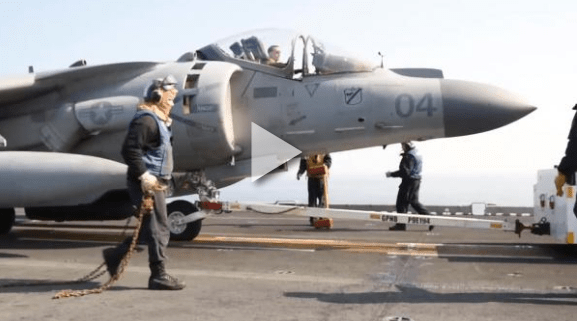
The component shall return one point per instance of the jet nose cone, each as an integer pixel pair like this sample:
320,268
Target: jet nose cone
471,108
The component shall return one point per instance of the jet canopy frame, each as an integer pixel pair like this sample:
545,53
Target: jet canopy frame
307,55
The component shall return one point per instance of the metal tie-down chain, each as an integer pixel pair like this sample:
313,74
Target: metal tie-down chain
146,207
88,277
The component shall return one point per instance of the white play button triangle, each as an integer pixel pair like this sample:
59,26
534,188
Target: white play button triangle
268,152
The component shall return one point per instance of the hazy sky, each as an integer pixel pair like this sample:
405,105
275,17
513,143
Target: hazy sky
527,47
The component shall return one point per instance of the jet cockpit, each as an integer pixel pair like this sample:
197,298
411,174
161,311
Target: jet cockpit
284,52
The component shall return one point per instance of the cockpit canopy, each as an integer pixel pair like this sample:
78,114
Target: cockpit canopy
289,51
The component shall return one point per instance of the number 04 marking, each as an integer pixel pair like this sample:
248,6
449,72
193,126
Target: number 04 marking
405,105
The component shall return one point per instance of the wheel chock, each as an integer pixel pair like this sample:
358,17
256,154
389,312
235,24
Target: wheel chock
323,223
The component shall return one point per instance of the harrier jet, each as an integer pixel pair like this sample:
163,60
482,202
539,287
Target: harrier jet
61,131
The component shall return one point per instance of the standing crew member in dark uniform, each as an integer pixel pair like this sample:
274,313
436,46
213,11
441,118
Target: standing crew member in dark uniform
317,167
568,165
147,150
410,172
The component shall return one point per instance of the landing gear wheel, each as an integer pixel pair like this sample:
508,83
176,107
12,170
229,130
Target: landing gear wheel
7,217
182,232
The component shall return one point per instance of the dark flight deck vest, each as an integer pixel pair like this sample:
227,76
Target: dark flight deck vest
159,160
416,171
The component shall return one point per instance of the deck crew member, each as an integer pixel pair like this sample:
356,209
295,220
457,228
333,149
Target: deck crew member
147,150
410,172
568,165
317,169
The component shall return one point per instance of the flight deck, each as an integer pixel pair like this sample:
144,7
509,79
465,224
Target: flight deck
249,266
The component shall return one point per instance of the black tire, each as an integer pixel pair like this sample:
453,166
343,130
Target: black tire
7,217
179,209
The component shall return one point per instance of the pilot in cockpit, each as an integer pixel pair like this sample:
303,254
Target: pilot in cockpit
274,56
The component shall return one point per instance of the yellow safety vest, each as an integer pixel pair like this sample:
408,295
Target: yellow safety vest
316,169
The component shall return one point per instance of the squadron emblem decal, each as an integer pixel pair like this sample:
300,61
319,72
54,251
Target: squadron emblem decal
353,96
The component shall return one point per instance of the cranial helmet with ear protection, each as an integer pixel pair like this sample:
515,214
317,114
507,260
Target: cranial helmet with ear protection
408,145
153,93
155,96
169,82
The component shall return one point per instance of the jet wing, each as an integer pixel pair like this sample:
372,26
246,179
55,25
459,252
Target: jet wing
419,72
16,90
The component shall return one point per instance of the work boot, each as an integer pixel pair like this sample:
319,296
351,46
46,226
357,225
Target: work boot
160,280
112,257
398,227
